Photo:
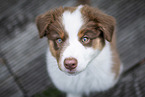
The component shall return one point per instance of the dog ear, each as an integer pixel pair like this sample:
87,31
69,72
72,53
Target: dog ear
104,23
42,22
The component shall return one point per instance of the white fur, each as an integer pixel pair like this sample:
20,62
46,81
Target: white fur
74,95
96,77
72,23
96,66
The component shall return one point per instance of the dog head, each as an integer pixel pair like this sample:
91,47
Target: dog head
76,35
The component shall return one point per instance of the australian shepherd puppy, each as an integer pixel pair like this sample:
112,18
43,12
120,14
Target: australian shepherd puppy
82,55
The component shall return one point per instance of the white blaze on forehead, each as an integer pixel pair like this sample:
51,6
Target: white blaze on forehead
72,21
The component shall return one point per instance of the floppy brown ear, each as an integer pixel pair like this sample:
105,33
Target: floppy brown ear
42,22
107,24
104,23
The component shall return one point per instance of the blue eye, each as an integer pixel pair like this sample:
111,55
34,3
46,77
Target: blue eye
59,40
85,40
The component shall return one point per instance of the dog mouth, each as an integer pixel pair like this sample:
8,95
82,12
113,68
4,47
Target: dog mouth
72,72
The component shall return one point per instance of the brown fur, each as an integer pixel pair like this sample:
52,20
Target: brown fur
116,59
98,27
70,9
98,43
49,18
91,31
53,51
49,24
44,21
105,23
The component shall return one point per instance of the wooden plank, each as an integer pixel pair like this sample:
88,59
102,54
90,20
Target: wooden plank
33,76
24,48
4,73
8,87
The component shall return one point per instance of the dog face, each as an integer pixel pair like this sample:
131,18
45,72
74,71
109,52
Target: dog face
76,35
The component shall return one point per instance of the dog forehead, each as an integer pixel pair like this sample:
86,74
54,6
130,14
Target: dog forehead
72,21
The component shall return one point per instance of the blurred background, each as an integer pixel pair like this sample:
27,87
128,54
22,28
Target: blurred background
22,54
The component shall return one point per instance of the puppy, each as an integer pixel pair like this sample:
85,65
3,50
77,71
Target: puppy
82,55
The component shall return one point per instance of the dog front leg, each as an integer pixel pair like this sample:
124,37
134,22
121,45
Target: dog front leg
73,95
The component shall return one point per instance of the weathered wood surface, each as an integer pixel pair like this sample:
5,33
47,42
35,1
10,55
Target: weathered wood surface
8,86
24,52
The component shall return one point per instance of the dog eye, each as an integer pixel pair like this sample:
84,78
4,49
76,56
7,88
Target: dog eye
59,41
85,40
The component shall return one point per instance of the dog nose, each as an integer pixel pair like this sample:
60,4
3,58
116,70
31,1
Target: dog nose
70,63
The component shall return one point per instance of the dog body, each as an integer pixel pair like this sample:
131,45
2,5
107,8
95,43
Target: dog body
98,75
82,56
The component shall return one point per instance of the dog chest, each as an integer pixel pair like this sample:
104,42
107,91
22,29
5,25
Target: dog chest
97,76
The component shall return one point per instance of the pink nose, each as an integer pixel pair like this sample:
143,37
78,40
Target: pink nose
70,63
